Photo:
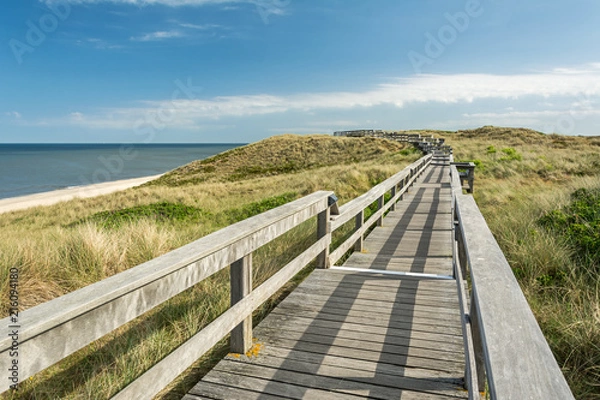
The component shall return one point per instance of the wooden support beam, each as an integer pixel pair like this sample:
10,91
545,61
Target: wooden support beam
323,230
380,203
241,286
358,223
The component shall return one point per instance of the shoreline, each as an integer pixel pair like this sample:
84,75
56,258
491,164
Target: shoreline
82,192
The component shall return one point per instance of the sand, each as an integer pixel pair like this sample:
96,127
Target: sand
56,196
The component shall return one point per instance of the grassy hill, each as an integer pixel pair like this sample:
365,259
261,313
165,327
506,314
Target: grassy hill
280,155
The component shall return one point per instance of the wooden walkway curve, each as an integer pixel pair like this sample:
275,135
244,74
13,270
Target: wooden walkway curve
385,325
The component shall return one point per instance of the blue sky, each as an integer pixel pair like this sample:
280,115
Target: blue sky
154,71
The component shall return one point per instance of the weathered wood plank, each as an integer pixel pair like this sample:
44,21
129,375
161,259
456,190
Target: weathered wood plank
273,334
453,367
285,390
312,302
357,332
333,379
321,381
216,391
414,325
398,312
349,362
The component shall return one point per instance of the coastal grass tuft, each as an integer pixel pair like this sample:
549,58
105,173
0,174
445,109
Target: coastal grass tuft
159,212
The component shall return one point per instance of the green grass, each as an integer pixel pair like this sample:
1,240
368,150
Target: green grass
158,212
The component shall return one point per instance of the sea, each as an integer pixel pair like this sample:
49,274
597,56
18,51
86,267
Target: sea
36,168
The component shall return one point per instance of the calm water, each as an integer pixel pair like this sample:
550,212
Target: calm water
34,168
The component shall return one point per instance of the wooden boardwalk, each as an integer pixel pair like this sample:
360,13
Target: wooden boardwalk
386,325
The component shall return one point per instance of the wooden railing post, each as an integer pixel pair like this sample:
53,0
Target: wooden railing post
358,223
394,191
404,182
323,229
241,286
477,346
380,204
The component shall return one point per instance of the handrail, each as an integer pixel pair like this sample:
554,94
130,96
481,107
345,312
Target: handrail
53,330
509,346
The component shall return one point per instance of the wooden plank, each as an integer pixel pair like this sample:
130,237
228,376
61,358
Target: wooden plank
440,266
351,363
216,391
414,325
272,335
397,310
330,385
51,331
403,298
285,390
372,374
313,300
406,288
414,361
444,343
381,387
526,369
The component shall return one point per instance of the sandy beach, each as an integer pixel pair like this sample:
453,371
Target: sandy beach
56,196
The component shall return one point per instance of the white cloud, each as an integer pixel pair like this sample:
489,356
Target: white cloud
13,114
204,27
436,89
155,36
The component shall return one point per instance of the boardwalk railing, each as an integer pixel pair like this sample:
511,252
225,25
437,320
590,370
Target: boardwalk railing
51,331
504,344
396,186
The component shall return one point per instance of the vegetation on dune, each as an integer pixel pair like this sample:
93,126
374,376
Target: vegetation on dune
539,195
64,247
280,155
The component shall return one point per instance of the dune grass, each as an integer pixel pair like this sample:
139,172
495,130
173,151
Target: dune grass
522,176
64,247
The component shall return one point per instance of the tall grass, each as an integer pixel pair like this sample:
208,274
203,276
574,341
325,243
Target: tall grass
64,247
514,188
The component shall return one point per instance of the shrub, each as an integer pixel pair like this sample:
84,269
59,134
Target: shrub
160,212
579,221
511,154
255,208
